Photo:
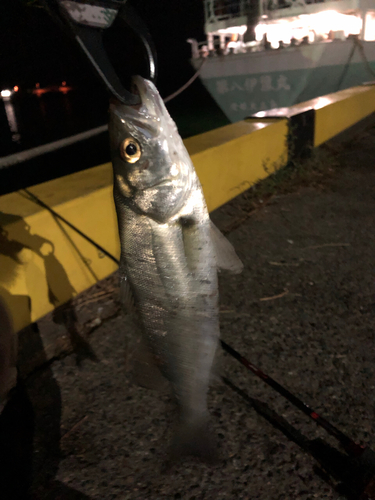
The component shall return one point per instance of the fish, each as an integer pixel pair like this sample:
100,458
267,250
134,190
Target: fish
170,256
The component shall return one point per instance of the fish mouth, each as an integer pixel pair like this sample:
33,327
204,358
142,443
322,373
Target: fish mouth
165,182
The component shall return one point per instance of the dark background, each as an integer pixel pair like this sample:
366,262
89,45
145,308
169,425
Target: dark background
33,49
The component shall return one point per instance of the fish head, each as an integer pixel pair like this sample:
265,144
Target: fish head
153,172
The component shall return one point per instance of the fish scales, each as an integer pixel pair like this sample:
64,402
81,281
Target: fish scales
168,260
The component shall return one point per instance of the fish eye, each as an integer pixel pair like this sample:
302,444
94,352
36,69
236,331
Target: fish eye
130,150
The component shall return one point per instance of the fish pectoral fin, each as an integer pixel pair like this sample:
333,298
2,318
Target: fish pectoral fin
126,296
226,257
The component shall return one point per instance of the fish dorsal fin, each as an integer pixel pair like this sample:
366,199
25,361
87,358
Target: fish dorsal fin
226,256
126,296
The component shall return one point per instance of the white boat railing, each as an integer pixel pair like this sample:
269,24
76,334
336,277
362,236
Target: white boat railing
224,14
220,10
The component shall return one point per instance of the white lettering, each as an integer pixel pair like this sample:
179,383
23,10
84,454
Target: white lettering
235,86
250,84
273,104
266,83
222,86
282,83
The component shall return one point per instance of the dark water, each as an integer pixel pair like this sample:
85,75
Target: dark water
51,116
28,120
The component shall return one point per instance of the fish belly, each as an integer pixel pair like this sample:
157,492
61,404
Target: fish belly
173,276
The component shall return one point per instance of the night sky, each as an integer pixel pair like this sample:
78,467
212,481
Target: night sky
34,49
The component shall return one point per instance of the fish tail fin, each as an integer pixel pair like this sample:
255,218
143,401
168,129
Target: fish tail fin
194,438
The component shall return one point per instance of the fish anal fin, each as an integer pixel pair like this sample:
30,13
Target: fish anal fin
142,366
226,256
126,296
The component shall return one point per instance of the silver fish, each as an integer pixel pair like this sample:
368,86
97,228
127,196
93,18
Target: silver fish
169,258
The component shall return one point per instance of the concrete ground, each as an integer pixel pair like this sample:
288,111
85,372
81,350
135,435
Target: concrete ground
302,310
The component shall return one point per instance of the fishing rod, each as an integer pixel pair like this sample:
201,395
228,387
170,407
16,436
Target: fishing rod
355,470
350,446
355,475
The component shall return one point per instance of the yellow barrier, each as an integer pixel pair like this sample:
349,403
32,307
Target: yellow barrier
230,159
44,263
334,113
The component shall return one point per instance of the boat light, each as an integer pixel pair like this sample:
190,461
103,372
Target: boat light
320,24
16,88
324,22
6,93
234,29
369,35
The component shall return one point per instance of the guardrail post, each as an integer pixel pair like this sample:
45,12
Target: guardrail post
301,129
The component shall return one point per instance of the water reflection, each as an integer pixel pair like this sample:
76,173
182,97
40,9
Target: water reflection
12,119
30,118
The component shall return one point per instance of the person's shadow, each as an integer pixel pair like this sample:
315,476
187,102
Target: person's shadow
30,421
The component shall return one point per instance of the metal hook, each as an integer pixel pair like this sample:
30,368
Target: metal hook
86,22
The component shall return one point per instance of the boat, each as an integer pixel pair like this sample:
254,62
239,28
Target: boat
266,54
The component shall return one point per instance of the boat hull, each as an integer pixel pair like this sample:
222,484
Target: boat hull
243,84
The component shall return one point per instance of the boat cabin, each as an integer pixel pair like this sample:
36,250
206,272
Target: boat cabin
235,26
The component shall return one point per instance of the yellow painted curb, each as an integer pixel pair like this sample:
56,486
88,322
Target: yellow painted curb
44,263
334,113
231,159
